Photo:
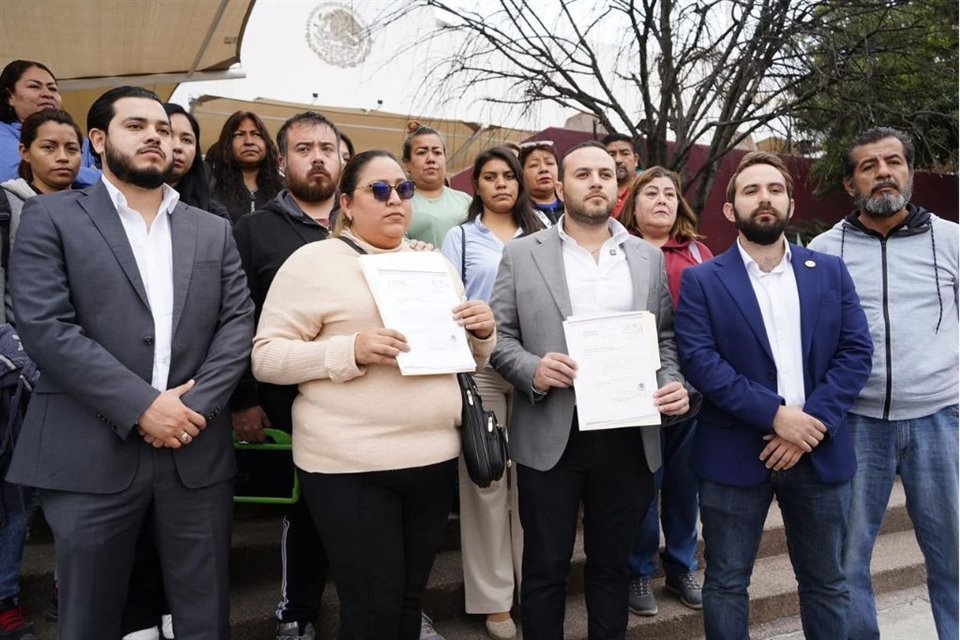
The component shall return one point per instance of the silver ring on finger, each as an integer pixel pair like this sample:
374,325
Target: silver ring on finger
184,437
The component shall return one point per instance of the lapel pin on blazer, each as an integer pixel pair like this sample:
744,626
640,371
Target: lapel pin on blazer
809,264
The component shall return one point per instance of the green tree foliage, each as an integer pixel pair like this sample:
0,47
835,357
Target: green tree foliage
899,64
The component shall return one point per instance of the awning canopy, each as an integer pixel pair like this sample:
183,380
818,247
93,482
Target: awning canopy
368,129
92,45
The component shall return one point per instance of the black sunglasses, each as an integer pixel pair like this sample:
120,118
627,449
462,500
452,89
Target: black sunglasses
381,190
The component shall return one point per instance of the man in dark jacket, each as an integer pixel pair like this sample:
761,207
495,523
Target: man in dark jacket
310,158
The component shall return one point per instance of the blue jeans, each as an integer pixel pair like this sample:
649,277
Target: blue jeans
677,486
814,518
13,534
923,452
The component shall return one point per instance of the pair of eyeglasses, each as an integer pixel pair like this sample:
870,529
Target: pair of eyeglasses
381,190
536,143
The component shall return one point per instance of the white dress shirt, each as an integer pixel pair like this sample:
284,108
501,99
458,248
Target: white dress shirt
153,251
779,302
602,286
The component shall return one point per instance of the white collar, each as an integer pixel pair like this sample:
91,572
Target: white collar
169,202
753,265
618,232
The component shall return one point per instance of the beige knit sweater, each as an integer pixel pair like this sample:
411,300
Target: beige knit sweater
349,418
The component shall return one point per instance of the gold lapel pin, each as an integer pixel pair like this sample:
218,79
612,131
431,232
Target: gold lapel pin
809,264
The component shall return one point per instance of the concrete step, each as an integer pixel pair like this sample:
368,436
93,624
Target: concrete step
255,579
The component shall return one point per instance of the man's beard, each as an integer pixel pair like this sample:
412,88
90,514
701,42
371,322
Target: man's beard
121,165
312,189
622,174
590,215
758,232
888,204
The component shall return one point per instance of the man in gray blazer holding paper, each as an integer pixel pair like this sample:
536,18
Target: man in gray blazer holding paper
586,264
136,309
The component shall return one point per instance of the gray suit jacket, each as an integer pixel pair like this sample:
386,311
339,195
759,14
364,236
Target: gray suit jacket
83,316
531,301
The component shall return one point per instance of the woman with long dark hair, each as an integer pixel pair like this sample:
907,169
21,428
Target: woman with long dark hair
246,166
490,533
190,177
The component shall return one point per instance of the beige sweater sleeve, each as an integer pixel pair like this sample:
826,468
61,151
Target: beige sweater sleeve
285,349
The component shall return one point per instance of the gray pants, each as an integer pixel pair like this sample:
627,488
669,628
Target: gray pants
95,536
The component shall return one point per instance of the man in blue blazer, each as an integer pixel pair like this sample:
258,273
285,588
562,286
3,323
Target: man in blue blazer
774,337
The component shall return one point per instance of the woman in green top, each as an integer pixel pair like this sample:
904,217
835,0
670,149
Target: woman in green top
436,207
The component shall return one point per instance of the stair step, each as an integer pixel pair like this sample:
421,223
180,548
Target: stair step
255,581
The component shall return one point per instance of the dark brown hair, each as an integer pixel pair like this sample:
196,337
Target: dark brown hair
523,213
32,124
9,77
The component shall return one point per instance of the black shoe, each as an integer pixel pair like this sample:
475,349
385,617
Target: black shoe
641,600
52,612
687,588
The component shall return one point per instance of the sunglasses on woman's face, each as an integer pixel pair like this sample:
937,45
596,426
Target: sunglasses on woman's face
381,190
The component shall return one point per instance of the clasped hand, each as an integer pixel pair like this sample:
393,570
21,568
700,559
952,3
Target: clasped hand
167,419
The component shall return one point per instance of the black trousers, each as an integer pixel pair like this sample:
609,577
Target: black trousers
95,536
607,472
382,531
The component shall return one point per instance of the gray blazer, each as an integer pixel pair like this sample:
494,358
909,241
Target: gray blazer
83,316
531,301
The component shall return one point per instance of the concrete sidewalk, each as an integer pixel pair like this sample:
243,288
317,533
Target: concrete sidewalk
903,615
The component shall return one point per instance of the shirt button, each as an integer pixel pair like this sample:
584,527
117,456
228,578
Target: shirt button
148,340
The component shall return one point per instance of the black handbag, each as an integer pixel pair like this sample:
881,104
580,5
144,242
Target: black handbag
484,438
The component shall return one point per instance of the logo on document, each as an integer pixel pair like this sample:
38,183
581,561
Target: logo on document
338,35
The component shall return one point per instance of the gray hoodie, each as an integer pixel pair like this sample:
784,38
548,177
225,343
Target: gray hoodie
908,286
16,192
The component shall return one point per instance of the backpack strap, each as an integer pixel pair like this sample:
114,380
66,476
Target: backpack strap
5,215
463,255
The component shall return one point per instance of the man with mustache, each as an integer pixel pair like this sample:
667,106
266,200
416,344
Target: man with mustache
135,308
624,154
310,159
903,260
774,337
585,264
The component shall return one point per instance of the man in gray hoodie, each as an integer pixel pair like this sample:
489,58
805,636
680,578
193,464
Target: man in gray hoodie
904,262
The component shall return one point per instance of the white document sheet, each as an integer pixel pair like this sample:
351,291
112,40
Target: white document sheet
415,296
617,358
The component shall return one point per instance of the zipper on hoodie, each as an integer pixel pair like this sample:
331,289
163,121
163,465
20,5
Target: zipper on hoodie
886,327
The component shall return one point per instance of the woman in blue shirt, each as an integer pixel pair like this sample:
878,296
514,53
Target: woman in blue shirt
490,534
27,87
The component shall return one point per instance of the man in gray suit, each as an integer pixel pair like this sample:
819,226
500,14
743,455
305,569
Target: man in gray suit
136,310
586,264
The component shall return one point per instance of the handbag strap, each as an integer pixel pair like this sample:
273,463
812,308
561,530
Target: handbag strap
353,244
463,255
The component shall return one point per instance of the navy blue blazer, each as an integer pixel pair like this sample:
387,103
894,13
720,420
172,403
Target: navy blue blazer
724,352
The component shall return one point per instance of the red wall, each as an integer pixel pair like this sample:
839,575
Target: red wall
936,192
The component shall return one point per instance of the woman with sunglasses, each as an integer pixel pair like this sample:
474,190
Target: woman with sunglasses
491,540
539,161
376,451
656,210
436,207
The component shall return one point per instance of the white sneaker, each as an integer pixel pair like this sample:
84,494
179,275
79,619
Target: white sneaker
153,633
166,627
